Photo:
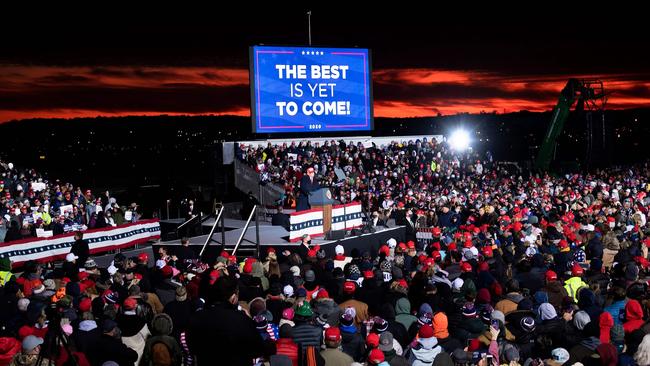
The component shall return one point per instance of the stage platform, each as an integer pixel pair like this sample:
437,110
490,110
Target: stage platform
277,237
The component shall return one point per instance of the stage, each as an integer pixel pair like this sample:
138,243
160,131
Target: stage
277,237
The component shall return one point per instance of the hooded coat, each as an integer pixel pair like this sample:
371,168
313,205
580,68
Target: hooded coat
633,316
556,293
161,329
258,271
403,311
9,346
587,302
424,352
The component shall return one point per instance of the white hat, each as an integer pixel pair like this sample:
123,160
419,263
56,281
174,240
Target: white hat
457,284
339,249
39,289
70,257
287,291
590,227
392,243
474,251
160,263
23,304
295,270
560,355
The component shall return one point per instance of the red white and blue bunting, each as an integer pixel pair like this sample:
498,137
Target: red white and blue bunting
311,221
99,240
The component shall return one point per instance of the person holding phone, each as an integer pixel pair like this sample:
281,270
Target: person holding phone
491,358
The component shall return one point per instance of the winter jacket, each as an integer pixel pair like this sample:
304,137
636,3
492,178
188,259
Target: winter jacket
166,291
352,343
584,350
394,359
509,304
152,345
180,312
9,347
307,335
617,309
403,311
134,332
556,293
289,348
424,352
573,285
239,341
335,357
86,336
329,308
633,316
111,349
468,329
361,309
608,257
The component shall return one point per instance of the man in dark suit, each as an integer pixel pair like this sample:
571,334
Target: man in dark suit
281,219
308,184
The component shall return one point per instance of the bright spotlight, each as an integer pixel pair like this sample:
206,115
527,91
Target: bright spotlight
459,140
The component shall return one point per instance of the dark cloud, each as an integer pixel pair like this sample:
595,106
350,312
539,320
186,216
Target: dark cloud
182,98
446,91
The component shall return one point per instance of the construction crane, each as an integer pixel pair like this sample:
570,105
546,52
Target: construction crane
586,95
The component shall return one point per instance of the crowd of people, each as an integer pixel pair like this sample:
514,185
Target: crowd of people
518,270
31,205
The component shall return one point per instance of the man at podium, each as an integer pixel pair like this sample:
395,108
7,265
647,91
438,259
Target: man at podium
308,184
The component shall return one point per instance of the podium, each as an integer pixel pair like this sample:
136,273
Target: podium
322,198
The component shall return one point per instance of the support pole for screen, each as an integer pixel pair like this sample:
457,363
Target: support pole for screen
309,24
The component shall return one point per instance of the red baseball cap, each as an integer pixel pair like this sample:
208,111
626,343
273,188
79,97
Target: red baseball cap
468,244
384,249
451,246
551,276
465,267
130,303
372,340
577,270
333,334
349,287
322,294
436,255
143,257
487,251
436,231
410,244
376,356
368,274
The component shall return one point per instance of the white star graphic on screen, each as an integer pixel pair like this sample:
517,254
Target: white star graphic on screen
303,52
322,53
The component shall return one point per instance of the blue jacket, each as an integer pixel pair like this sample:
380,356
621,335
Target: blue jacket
617,309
